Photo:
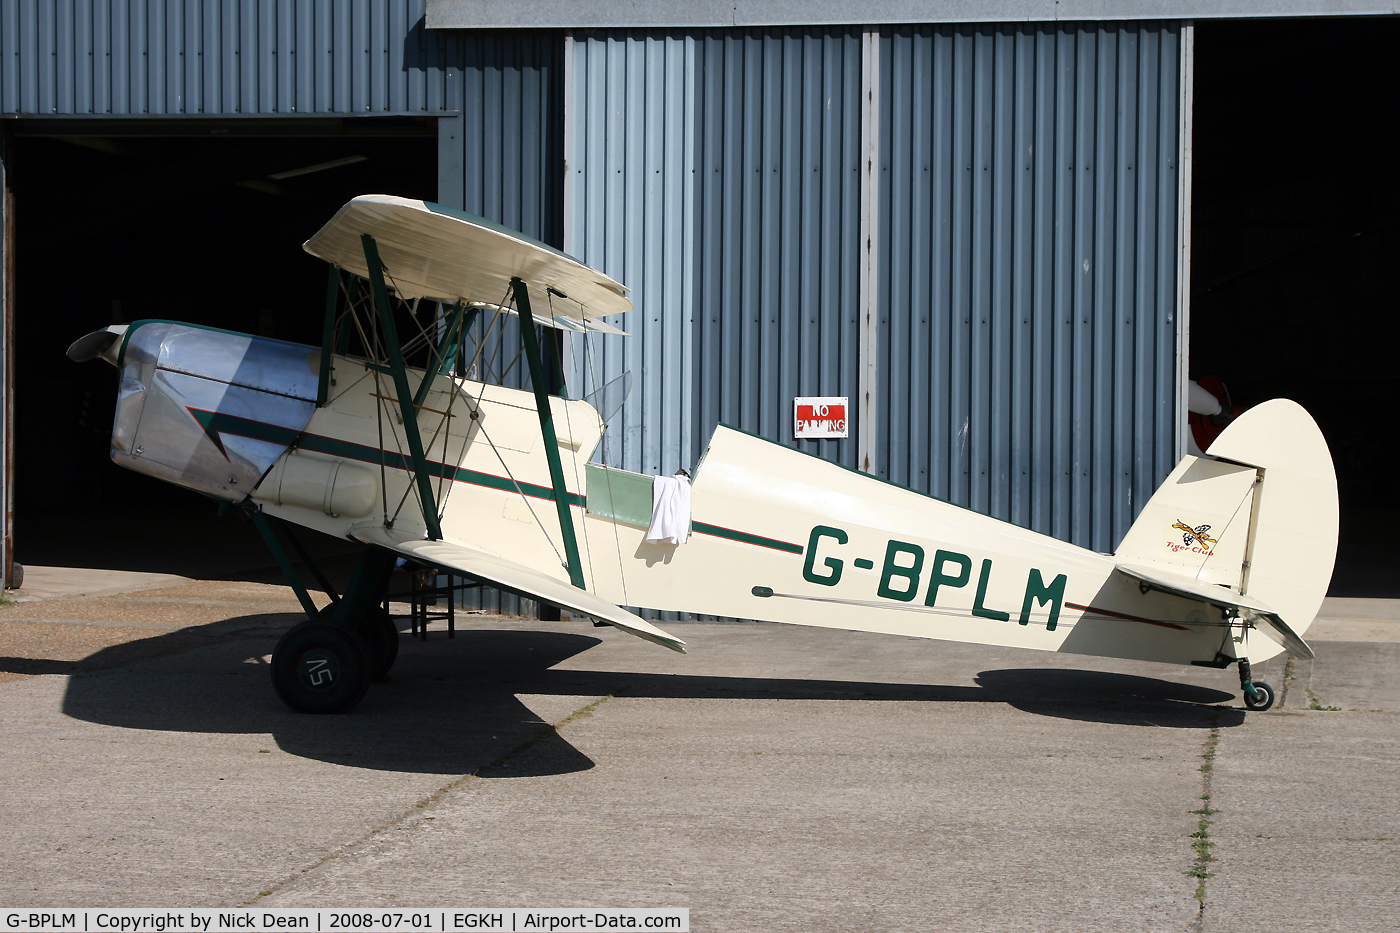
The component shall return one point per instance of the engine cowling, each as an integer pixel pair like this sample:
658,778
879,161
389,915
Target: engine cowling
206,409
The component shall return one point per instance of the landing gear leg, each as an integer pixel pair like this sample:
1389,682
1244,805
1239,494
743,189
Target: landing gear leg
361,610
326,664
1257,696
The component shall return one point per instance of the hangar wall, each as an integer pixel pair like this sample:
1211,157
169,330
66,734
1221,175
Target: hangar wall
1028,274
125,62
1024,220
155,57
295,67
730,206
1018,184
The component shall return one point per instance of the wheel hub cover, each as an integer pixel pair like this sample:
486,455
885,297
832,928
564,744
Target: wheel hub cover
318,669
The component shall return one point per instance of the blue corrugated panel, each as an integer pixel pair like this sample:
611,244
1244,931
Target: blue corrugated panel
716,173
777,280
89,57
1028,189
633,215
502,158
500,94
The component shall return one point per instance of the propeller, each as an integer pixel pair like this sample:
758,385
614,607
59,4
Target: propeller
96,344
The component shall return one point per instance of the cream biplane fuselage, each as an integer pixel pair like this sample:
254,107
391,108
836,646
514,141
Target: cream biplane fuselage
1227,563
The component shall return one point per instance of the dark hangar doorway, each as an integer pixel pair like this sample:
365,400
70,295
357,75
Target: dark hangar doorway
198,222
1295,229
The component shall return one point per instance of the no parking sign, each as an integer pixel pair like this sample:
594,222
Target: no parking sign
819,416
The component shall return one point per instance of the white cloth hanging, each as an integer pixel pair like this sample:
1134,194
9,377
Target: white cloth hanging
670,510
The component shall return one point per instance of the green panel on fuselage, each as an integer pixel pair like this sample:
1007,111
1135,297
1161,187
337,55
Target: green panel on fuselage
619,495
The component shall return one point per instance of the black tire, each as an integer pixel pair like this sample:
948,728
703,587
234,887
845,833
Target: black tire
379,635
319,667
1263,701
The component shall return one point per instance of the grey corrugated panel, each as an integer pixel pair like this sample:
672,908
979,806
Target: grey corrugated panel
731,206
501,158
716,174
633,216
1028,266
219,56
699,14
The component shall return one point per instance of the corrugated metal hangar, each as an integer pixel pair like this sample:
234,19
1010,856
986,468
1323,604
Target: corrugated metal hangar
1007,231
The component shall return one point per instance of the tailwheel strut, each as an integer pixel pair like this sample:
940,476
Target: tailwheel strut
1258,696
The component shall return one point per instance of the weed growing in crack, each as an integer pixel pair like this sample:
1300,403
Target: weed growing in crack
1201,842
1314,703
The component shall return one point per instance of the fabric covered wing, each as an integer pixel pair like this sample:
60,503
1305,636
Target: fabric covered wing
436,252
515,577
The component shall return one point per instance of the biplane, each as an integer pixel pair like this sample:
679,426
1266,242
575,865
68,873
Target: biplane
1227,564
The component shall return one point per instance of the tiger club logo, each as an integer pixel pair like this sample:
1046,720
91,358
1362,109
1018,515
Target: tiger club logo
1193,539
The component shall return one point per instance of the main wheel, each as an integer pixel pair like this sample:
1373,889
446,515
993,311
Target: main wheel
319,667
382,638
1263,701
379,634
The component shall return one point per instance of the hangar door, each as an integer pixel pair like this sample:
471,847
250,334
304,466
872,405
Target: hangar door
1294,238
716,174
168,159
1002,198
1028,269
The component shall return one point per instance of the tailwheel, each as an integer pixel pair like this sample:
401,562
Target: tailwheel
319,667
1262,699
1258,696
378,634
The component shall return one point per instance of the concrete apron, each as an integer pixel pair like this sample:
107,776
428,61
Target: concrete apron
777,778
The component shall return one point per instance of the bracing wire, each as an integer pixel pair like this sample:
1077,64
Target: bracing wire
478,355
383,471
1039,614
1233,515
588,365
474,406
444,485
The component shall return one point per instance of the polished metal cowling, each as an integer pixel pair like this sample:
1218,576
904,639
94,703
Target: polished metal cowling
209,410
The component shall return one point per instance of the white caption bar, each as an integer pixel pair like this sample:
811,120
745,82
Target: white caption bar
318,920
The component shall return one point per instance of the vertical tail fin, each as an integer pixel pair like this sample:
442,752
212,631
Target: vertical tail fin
1258,515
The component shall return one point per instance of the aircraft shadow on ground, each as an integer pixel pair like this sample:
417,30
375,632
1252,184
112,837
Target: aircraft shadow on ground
451,706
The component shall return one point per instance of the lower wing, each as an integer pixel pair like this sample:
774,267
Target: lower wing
514,577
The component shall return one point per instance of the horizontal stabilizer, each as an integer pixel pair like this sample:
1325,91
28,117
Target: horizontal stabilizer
1256,611
1182,585
515,577
1278,630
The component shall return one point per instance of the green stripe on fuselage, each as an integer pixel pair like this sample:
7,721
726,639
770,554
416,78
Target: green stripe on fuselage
216,423
719,531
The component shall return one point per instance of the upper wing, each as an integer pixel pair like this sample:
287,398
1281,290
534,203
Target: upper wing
1258,612
515,577
436,252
